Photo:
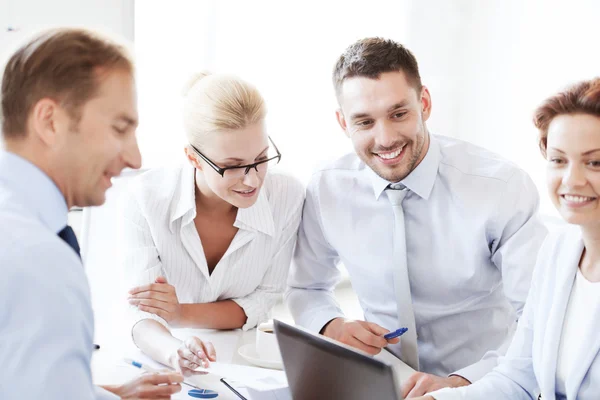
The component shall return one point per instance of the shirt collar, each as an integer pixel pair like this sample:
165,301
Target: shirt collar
258,217
420,180
36,191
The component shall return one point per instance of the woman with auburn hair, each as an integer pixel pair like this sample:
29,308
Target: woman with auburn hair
555,351
209,244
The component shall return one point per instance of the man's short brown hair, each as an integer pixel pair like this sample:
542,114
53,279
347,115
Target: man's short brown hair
62,64
581,98
371,57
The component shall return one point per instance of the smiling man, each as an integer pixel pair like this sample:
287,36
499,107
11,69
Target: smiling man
438,235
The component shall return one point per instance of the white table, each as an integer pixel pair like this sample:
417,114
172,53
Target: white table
108,366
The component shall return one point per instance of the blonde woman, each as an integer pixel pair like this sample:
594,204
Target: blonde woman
209,244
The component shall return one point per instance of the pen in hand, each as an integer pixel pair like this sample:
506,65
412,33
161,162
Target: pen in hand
395,334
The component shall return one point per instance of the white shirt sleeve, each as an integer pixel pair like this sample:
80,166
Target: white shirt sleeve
515,241
314,273
141,259
514,377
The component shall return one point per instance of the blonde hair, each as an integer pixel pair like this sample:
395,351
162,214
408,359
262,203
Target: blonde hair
216,102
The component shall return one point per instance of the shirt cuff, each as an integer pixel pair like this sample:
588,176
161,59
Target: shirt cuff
475,372
254,313
320,319
447,394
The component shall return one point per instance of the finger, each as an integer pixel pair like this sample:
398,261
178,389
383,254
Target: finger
376,329
417,391
352,341
156,311
151,303
210,351
161,279
160,392
166,297
157,287
162,379
187,354
197,347
408,384
369,338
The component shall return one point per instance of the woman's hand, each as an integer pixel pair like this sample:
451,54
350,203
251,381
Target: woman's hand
192,353
158,298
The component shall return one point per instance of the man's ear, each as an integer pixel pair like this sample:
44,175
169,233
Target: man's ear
191,156
47,120
339,115
425,103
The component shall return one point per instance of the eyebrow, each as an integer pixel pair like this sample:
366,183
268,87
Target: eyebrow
235,159
583,154
396,106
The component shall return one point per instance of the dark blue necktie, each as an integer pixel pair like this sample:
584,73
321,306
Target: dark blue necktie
68,236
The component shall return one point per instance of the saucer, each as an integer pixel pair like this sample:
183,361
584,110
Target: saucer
248,353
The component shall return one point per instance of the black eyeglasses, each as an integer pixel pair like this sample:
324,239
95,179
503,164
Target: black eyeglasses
240,171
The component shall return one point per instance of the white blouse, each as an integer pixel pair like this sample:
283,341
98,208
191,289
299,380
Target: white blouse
584,304
161,239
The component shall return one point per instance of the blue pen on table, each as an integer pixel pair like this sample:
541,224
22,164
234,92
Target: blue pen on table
395,334
148,368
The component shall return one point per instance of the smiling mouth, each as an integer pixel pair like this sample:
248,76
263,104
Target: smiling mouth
246,192
571,198
387,156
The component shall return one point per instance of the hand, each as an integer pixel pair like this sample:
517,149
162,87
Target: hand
420,383
366,336
158,298
149,386
192,354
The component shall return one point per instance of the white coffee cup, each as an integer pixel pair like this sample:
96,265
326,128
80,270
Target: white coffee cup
267,347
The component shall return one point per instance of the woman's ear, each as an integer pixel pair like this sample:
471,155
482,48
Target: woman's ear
192,158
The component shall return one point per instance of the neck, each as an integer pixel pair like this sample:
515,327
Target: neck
590,261
208,201
32,152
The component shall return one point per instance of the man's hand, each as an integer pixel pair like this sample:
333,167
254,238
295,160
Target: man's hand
192,354
158,298
366,336
420,383
149,386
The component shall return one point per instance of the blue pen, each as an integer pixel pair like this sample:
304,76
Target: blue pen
395,334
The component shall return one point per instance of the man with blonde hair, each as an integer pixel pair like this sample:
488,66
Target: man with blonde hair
68,121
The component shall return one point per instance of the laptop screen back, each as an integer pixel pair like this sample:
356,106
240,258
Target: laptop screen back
317,368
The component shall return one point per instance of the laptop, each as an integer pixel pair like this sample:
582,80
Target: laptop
320,368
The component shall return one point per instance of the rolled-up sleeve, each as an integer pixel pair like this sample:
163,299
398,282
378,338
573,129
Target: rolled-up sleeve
314,272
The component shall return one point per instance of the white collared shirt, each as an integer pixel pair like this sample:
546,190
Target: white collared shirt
161,239
472,236
46,319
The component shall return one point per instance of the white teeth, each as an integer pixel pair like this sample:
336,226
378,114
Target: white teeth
389,156
577,199
245,191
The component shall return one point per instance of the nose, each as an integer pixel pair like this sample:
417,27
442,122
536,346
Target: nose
251,178
385,135
574,176
131,153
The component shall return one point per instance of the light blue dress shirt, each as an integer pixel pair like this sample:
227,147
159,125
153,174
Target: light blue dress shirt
46,320
472,237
